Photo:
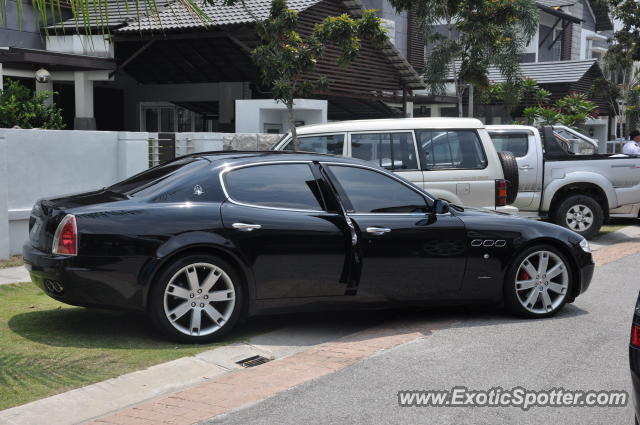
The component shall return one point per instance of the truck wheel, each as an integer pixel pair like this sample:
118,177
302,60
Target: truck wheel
510,171
580,213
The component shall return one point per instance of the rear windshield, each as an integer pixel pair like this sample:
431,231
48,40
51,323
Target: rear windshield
157,177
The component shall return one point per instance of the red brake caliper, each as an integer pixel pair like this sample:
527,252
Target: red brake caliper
523,275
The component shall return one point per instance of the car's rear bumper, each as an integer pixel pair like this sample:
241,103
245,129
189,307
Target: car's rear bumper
82,281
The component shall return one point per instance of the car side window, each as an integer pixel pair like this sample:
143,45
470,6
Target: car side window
369,191
330,143
290,186
455,149
393,151
517,143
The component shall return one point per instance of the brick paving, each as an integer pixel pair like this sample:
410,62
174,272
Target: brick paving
242,387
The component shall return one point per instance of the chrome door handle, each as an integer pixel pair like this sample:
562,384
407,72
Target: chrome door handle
378,230
526,167
246,227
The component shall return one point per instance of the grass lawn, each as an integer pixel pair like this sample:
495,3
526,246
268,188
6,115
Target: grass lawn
616,224
47,347
13,261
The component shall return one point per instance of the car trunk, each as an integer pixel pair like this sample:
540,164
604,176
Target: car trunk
47,214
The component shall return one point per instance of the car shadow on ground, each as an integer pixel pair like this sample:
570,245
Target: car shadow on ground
92,328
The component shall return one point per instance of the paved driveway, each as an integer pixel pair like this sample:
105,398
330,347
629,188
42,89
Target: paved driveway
583,348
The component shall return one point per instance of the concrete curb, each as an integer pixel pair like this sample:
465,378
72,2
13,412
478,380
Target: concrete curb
14,275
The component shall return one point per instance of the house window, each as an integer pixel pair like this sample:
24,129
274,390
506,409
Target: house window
556,49
165,117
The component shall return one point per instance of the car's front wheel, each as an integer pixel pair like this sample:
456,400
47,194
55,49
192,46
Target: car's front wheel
197,299
538,282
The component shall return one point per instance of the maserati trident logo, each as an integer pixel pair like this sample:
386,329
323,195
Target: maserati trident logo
197,190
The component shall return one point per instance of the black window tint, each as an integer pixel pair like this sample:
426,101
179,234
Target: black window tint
373,192
518,144
331,144
394,151
157,176
275,185
443,149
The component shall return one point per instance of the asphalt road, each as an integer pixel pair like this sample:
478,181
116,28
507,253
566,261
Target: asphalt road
582,348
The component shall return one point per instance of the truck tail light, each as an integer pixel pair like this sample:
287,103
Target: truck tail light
501,193
65,240
635,336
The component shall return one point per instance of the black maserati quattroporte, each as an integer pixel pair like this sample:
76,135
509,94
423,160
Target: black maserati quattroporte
200,241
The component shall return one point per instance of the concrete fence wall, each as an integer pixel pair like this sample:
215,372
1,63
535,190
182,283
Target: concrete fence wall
45,163
38,164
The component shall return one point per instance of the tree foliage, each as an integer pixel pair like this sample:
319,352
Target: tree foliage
21,107
477,33
571,110
286,58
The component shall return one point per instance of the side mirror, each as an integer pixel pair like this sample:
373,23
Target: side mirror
440,206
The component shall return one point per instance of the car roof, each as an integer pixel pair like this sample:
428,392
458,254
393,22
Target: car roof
392,124
248,157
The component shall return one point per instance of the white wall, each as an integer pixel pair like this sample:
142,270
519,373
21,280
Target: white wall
253,114
45,163
93,45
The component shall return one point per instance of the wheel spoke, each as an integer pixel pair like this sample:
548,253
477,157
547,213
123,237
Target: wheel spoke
192,276
531,271
211,280
533,297
557,287
555,271
178,291
179,311
546,300
216,296
543,263
522,285
213,313
196,318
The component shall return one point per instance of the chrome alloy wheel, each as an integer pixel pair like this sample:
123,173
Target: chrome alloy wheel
542,282
579,218
199,299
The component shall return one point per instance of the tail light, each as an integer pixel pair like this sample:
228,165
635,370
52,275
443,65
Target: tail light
65,240
501,193
635,336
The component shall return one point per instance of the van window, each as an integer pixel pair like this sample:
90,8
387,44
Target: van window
517,143
394,151
451,149
330,143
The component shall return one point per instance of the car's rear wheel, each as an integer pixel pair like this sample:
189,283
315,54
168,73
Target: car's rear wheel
580,213
538,282
197,299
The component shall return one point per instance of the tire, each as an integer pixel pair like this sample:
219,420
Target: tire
580,213
174,305
519,297
510,171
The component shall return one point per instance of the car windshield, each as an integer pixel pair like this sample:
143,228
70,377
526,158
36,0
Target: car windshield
156,176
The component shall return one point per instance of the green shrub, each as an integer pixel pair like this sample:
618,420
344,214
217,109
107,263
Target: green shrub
21,107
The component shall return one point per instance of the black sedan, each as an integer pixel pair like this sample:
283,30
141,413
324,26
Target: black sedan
208,238
634,360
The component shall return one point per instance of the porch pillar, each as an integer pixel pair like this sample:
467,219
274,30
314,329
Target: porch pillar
1,78
46,87
84,119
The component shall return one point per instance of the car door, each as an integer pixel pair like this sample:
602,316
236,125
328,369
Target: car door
394,150
406,251
455,166
276,217
528,153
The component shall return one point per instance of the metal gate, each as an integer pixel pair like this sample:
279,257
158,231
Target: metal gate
164,147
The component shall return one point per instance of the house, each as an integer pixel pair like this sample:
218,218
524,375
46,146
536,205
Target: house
174,73
563,57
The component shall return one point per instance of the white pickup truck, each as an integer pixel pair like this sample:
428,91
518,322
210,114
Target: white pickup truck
562,178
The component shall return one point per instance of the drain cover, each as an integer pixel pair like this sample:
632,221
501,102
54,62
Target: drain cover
253,361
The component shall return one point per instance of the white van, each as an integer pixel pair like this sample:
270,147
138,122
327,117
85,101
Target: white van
452,158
